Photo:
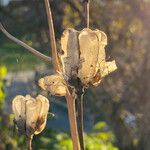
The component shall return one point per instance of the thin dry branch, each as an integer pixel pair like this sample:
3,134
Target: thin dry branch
19,42
29,142
80,119
86,4
55,60
72,119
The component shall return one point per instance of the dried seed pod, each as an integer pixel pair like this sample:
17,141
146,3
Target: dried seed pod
84,56
69,53
30,114
89,50
54,84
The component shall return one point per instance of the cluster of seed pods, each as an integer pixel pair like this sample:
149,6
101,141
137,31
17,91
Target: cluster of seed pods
82,56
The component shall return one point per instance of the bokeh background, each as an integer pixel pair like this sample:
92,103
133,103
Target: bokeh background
117,113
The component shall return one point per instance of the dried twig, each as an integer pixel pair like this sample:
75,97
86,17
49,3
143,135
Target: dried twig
72,119
19,42
79,107
86,4
52,36
29,142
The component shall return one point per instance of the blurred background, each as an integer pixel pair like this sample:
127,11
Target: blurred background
117,113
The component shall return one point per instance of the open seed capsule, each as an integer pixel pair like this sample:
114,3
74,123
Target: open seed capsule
83,56
30,114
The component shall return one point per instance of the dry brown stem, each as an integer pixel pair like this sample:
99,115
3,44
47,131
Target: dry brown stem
19,42
55,60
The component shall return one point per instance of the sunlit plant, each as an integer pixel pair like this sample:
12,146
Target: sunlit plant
81,63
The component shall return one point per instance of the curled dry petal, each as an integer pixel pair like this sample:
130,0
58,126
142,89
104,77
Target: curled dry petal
30,114
110,67
54,84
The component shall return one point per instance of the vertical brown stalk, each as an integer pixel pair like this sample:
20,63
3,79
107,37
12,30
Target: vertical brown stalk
86,4
79,106
79,110
29,142
72,118
52,36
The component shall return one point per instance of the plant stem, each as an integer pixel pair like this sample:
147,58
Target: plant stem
29,142
86,4
79,106
72,119
19,42
76,82
52,36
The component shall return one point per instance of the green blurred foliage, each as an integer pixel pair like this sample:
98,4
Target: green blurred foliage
19,59
3,72
100,138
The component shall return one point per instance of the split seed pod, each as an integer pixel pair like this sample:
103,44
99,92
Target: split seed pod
84,55
30,114
54,84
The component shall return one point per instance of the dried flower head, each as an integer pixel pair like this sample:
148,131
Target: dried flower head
30,114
